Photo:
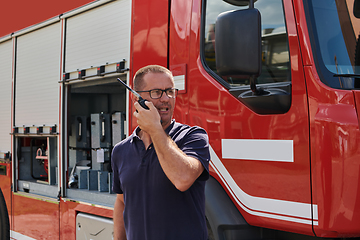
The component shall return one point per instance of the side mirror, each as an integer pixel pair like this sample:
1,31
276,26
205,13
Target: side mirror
239,2
238,44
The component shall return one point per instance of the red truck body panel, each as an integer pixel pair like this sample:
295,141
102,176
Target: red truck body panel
20,15
334,155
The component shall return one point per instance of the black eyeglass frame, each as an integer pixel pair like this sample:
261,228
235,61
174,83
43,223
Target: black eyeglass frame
162,92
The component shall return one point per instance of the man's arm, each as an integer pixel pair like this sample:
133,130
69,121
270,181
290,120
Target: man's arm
119,228
182,170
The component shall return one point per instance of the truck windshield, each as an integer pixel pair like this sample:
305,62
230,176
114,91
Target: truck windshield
335,37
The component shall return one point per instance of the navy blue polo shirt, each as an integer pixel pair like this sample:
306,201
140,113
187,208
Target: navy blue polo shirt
154,208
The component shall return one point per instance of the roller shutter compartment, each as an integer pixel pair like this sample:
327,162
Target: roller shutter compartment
99,36
5,95
37,76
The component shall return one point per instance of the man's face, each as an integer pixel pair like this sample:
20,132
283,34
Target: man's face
164,105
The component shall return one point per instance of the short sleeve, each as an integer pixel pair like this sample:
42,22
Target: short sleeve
116,185
195,143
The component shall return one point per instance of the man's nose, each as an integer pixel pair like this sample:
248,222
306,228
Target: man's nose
164,97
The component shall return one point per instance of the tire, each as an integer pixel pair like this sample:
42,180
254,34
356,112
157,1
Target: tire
4,219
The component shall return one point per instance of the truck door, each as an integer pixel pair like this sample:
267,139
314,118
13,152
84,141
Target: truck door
333,91
260,141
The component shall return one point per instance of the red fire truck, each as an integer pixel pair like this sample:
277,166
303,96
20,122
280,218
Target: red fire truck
275,83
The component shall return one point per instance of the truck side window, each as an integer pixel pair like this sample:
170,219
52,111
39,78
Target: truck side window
275,52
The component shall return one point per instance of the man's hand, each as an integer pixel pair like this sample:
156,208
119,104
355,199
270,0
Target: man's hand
148,120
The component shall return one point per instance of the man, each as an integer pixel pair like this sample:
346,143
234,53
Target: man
161,169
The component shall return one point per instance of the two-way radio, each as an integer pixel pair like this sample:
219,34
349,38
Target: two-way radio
141,101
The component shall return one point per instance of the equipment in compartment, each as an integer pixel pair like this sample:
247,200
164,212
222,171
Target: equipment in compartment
31,167
96,133
100,141
43,159
37,159
117,123
79,140
95,180
79,148
75,173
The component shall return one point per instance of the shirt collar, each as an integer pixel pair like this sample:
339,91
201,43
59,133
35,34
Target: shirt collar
168,129
135,134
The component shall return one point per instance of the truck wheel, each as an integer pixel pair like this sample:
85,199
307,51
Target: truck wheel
4,219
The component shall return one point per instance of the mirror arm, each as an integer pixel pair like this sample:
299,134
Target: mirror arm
254,89
251,4
253,84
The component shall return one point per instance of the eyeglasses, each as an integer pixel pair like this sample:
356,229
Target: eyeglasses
157,93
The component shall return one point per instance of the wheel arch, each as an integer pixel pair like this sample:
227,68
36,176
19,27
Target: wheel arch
224,219
4,219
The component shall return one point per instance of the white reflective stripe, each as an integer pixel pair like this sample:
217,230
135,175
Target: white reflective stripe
315,212
265,207
256,149
179,82
19,236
